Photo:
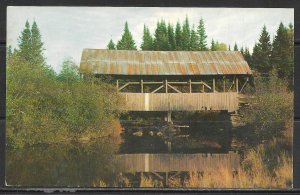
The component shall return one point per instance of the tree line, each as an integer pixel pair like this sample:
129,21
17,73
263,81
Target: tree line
45,107
277,56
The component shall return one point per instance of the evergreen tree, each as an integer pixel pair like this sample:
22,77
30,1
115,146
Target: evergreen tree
262,52
111,45
147,43
178,37
229,49
247,56
242,51
24,43
194,44
186,34
171,37
126,42
202,36
235,48
161,40
37,46
213,45
281,54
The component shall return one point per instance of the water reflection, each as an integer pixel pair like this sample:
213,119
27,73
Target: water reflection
64,165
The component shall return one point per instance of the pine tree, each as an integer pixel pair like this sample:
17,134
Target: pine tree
37,46
242,51
194,44
262,52
281,54
171,37
178,37
147,43
202,36
161,40
235,48
111,45
186,34
126,42
24,43
247,56
213,45
229,49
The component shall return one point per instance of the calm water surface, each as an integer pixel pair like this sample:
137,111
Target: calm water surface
88,164
64,165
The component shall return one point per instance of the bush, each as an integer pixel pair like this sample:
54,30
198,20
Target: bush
270,110
44,108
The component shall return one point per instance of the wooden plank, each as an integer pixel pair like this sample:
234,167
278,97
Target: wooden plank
181,101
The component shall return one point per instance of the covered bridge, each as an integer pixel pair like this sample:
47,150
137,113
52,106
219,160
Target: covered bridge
172,80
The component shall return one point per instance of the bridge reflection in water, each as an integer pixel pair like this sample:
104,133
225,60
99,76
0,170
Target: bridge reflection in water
177,162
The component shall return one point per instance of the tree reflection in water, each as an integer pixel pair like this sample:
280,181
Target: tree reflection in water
63,165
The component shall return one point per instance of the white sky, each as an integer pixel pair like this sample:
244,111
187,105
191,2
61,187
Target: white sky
67,30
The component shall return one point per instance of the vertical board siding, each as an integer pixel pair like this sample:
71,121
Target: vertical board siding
181,101
177,162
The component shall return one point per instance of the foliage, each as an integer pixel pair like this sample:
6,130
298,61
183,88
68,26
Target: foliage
248,56
235,48
262,52
147,43
213,45
194,45
186,35
178,37
111,45
126,42
216,46
69,71
220,46
45,108
171,37
282,54
202,36
161,39
270,110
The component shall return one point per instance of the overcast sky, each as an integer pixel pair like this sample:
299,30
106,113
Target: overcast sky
67,30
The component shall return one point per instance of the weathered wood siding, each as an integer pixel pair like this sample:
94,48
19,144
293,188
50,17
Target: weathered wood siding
176,162
181,101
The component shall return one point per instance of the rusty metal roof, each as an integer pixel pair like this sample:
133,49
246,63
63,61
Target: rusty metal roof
132,62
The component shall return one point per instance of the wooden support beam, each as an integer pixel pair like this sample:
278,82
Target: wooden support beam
244,84
172,87
158,175
178,82
166,85
154,82
157,89
190,84
176,174
237,84
125,85
206,85
142,86
233,83
224,84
